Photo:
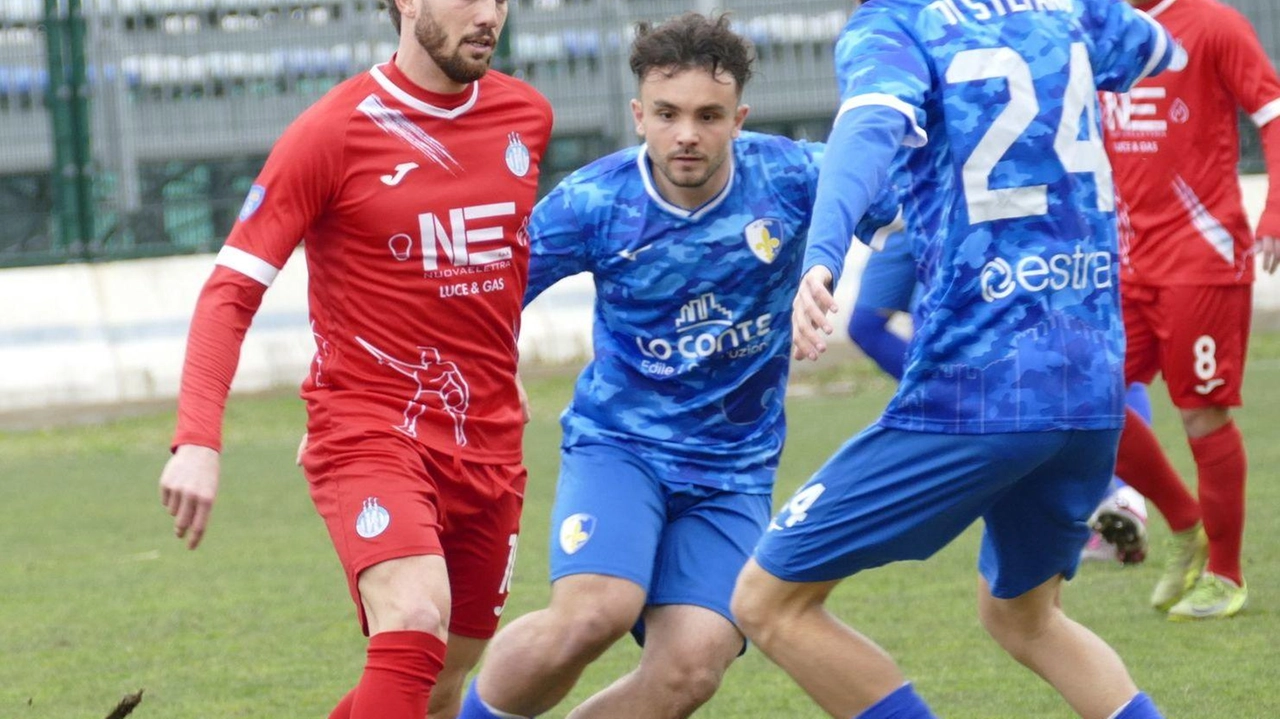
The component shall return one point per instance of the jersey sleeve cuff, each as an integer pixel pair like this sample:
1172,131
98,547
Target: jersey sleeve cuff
199,439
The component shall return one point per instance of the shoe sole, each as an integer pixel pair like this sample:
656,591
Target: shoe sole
1122,531
1230,611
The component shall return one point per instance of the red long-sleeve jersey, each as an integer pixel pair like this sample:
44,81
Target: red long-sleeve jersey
413,207
1173,141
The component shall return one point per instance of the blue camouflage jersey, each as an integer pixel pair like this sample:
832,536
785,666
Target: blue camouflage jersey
692,318
1007,199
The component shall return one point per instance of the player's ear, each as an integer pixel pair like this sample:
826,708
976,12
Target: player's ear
739,117
637,113
408,8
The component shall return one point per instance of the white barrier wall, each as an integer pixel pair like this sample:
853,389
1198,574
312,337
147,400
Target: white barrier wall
77,335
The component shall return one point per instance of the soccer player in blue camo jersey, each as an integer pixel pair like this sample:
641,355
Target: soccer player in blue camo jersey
671,442
1012,400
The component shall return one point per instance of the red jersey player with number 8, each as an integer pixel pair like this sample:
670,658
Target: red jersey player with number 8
1187,256
412,185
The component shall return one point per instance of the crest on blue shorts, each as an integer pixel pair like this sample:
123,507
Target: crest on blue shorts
575,530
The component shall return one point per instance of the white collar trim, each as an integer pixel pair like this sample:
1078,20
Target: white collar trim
696,213
419,105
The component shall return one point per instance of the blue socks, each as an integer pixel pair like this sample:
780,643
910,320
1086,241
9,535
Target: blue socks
869,330
903,703
474,708
1139,401
1139,707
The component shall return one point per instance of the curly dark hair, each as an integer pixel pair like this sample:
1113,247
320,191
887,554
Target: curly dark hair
691,40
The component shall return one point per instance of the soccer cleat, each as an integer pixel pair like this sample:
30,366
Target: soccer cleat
1097,550
1212,597
1188,552
1122,527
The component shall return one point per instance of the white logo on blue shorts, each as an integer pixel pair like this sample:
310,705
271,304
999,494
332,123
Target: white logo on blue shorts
575,531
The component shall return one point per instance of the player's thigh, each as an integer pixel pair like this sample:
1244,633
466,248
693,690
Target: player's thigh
1036,530
1142,343
707,540
376,498
608,515
689,639
480,518
1208,334
889,495
888,280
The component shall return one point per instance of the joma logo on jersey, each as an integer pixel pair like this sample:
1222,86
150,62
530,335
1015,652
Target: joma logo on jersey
470,237
1033,273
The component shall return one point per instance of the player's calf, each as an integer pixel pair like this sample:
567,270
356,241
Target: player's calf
446,698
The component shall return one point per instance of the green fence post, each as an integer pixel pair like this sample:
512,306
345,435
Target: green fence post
79,103
57,97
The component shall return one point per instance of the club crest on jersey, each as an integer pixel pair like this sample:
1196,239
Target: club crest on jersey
517,155
252,201
575,531
764,237
373,519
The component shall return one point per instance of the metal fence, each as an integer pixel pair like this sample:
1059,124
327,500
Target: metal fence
163,110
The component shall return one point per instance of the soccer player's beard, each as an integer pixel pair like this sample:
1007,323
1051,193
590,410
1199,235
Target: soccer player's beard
453,65
689,181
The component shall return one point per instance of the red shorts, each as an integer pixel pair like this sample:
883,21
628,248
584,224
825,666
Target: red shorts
1195,336
383,496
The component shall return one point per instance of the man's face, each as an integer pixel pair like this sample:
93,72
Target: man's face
460,35
689,120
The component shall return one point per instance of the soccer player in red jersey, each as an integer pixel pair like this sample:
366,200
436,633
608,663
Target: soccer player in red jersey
412,184
1187,256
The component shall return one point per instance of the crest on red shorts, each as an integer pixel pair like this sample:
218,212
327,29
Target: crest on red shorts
373,519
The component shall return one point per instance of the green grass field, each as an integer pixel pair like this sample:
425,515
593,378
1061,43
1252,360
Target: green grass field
97,599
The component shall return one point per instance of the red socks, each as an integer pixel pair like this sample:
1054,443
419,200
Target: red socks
1142,464
398,676
1221,463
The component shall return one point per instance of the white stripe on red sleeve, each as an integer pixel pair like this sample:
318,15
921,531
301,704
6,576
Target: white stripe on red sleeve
1266,113
247,264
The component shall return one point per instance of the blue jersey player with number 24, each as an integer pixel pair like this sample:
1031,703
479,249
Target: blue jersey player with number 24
1012,400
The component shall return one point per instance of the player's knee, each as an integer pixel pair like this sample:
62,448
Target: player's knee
1203,421
754,610
588,631
689,683
415,616
403,612
1014,624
